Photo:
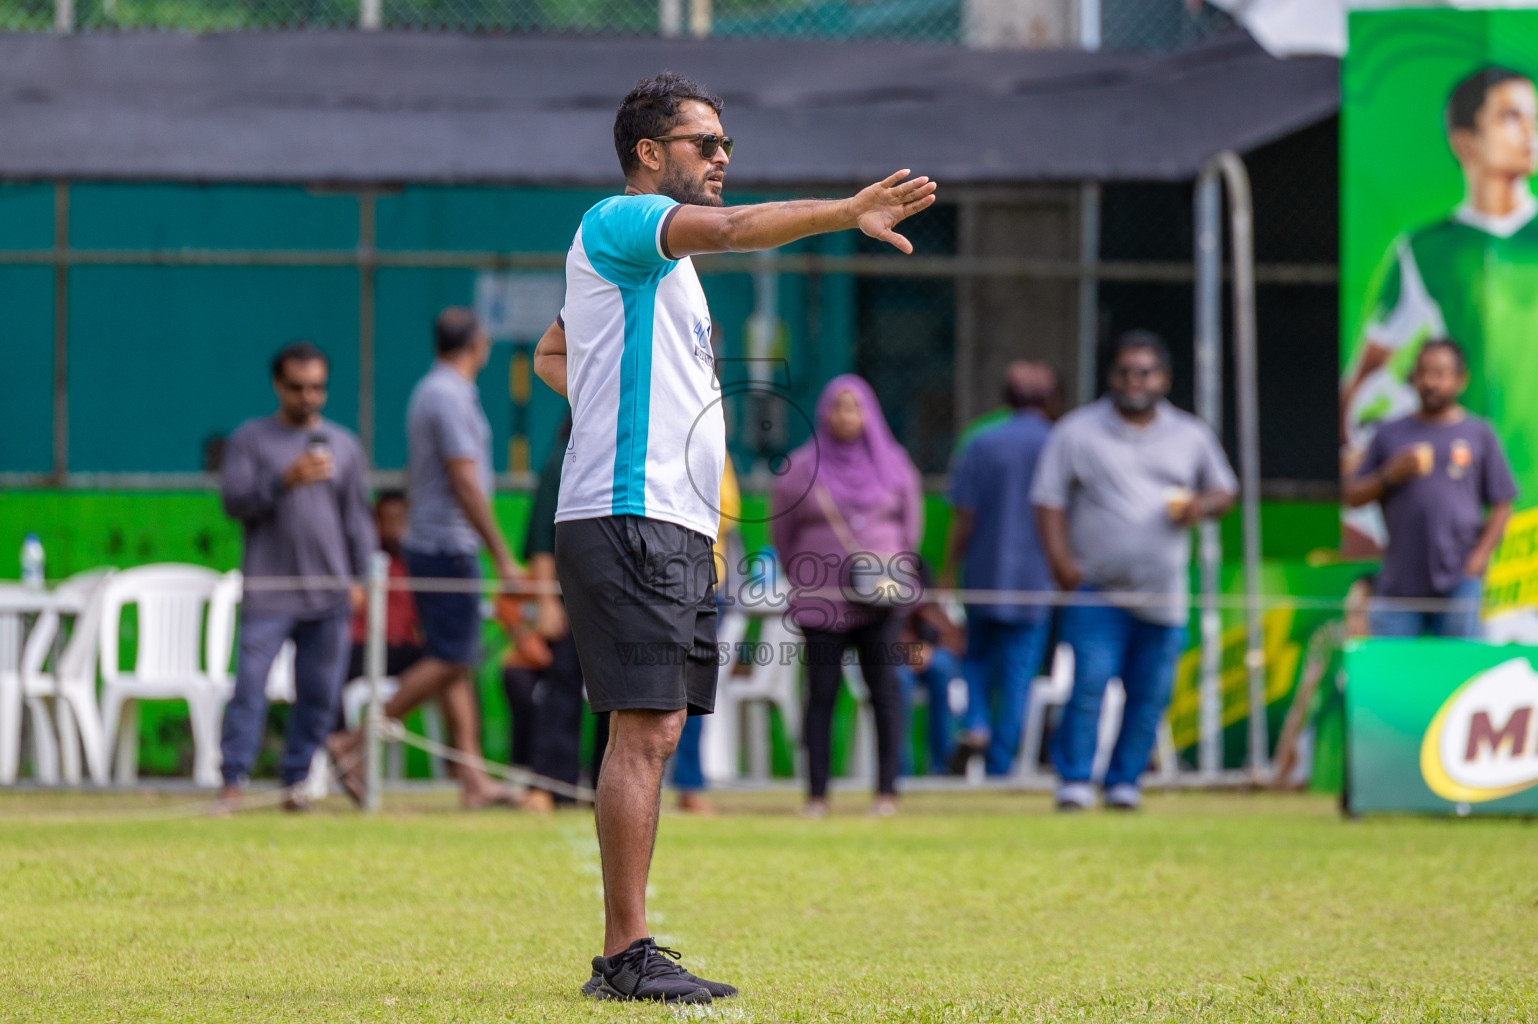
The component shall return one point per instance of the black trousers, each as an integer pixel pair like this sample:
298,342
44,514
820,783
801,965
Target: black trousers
876,645
547,715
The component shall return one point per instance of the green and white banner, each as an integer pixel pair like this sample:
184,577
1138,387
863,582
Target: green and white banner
1439,238
1441,726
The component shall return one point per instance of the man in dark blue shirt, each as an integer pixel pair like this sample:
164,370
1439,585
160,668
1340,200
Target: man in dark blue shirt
993,535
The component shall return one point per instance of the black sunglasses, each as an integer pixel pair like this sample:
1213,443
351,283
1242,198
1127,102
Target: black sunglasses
709,142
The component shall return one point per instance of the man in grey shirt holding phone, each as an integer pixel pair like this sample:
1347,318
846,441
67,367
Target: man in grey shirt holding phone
298,483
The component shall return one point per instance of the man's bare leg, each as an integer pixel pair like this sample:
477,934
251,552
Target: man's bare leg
476,787
627,804
424,680
420,683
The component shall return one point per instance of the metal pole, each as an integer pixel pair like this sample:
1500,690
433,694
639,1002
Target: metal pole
1209,406
1089,24
1246,371
370,14
61,262
765,411
64,16
368,264
374,667
963,384
1089,292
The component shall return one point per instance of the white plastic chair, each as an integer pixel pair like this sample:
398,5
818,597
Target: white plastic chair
1047,691
45,750
776,684
862,753
721,733
169,662
70,681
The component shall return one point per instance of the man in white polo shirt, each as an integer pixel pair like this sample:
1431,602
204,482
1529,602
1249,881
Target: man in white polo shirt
639,489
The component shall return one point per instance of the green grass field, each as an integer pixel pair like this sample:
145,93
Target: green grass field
970,907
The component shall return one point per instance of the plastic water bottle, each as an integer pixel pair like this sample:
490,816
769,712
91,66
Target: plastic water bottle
32,561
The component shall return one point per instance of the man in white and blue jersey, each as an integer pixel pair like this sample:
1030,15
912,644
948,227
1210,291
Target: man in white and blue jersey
639,489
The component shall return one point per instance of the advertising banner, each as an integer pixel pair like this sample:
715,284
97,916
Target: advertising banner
1439,239
1441,727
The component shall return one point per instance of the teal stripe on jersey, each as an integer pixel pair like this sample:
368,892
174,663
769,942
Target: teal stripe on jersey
635,393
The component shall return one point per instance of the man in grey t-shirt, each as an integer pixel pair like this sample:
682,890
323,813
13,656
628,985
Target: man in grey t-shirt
449,483
1119,485
299,486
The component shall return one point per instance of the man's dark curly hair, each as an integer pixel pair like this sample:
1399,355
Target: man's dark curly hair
651,109
1470,94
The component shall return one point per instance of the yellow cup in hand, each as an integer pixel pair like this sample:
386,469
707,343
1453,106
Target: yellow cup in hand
1176,501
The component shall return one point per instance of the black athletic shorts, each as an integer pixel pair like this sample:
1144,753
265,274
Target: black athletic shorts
640,595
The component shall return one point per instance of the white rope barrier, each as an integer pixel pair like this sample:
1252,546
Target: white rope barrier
394,730
777,599
761,596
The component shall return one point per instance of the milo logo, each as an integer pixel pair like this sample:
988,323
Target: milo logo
1482,744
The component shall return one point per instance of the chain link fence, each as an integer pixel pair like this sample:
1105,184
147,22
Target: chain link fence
1126,24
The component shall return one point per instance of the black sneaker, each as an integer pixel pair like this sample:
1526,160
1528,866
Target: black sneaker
646,970
717,989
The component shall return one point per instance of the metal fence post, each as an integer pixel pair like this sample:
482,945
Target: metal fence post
1230,167
64,15
374,666
370,14
1209,406
1088,371
1247,372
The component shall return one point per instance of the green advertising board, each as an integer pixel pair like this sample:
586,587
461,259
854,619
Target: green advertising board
1439,237
1441,727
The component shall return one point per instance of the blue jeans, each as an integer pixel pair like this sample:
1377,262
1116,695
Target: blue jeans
936,680
1002,660
321,647
1109,641
688,774
1461,621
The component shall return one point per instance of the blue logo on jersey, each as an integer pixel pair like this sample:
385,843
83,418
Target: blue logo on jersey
702,350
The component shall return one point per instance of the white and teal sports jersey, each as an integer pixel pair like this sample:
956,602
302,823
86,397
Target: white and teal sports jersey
648,437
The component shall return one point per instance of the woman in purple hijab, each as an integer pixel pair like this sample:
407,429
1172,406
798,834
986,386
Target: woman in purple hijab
850,489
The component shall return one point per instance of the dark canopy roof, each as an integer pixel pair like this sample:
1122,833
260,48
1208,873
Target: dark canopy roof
381,107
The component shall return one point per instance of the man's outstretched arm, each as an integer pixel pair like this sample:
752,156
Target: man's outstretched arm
875,210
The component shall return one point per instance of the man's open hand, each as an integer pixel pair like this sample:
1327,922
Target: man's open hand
880,207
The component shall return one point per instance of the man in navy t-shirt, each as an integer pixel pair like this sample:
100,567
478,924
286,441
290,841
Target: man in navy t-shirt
994,536
1446,492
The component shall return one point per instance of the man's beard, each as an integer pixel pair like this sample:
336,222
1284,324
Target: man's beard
1140,403
1434,403
679,186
